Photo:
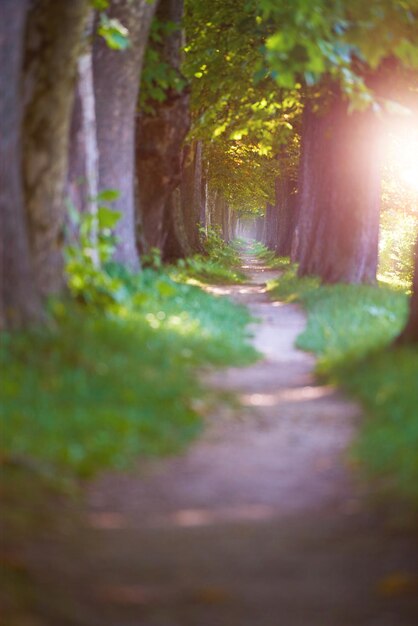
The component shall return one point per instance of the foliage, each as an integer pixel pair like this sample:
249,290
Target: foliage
158,77
152,259
350,328
242,120
115,34
338,39
91,245
397,240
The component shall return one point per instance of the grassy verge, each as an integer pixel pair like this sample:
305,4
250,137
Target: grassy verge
206,270
112,379
98,389
350,328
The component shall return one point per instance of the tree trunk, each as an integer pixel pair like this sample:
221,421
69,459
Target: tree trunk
218,211
159,138
19,299
176,244
190,188
227,223
309,167
410,332
233,227
82,183
285,207
339,198
271,226
260,228
53,43
199,185
116,84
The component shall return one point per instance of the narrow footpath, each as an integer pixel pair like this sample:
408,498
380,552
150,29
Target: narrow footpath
259,523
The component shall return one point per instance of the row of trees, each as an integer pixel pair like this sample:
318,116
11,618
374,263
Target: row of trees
196,114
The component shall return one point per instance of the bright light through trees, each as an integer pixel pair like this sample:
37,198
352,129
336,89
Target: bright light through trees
401,155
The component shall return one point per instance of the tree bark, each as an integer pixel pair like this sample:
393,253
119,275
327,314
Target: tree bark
82,182
176,245
339,195
159,139
19,299
227,223
53,43
260,228
271,226
190,188
218,211
285,207
410,333
116,84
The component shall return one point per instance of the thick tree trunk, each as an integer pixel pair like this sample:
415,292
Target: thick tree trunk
410,332
313,127
82,183
198,184
53,43
191,196
76,190
228,223
233,227
271,226
285,207
204,213
19,299
116,83
159,138
210,199
218,211
177,244
339,195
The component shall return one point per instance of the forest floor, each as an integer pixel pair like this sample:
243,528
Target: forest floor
259,523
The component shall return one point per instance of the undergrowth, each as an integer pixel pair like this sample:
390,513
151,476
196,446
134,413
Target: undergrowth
268,256
351,329
220,262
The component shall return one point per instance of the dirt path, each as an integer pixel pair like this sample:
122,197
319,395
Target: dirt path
258,524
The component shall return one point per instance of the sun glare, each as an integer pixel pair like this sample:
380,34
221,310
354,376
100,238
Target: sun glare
409,176
404,158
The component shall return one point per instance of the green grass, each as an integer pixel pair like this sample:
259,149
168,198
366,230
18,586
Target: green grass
208,270
351,328
99,389
268,256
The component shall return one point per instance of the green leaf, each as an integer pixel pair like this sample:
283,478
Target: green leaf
114,33
100,5
107,218
108,195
